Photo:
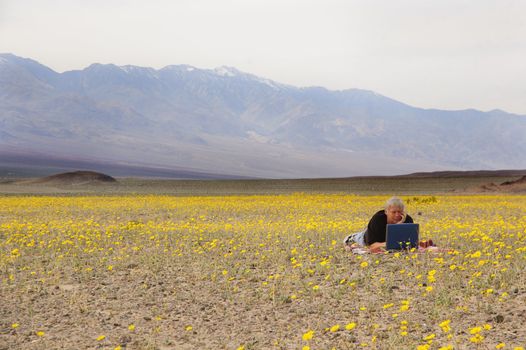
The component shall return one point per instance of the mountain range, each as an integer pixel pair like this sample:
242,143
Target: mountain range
226,122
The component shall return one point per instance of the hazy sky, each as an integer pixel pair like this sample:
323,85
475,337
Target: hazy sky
447,54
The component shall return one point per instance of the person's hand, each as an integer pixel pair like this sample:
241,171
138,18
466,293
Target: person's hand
377,247
402,220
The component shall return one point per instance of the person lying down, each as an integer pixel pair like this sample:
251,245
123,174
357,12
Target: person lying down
373,238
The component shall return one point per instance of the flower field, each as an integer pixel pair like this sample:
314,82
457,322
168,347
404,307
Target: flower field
257,272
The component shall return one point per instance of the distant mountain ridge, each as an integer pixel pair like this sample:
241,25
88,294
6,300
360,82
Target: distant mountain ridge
224,121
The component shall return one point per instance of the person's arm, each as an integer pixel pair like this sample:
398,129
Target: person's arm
375,230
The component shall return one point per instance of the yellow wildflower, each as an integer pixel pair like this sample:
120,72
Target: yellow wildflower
335,328
308,335
350,326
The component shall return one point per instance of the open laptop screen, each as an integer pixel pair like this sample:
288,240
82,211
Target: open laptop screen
401,236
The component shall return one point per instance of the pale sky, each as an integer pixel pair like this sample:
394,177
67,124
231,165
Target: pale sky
446,54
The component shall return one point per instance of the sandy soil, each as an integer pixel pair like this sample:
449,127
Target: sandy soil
162,301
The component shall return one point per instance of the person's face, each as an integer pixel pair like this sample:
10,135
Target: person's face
394,214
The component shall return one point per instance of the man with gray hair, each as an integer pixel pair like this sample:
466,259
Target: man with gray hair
374,235
393,213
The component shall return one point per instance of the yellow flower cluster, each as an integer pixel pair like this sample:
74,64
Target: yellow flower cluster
278,254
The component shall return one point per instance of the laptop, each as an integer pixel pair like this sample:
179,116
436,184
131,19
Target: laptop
401,236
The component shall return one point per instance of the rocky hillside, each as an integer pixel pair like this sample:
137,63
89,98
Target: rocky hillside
225,121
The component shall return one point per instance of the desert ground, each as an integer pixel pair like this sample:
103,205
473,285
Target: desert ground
424,183
259,264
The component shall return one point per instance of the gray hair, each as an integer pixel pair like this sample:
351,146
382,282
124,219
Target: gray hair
394,202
